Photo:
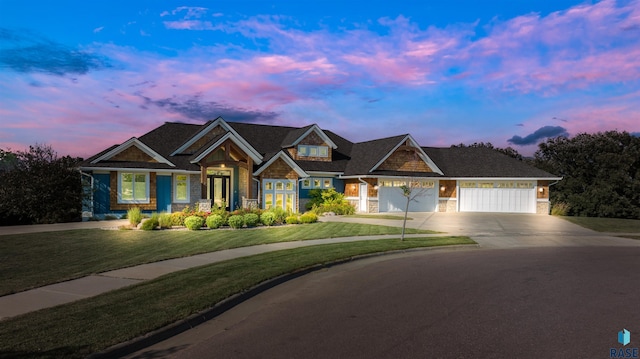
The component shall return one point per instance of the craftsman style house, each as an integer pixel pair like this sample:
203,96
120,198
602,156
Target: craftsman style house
239,165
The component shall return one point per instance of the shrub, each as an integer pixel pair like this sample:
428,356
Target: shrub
150,224
236,221
279,213
560,209
177,218
194,222
251,219
135,216
165,220
214,221
308,217
268,218
293,219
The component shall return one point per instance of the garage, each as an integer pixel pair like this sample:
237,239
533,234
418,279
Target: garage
390,198
498,196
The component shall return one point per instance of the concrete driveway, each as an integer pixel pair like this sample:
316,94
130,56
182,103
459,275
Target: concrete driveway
504,230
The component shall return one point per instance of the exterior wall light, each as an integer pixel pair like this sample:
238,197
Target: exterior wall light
442,188
541,189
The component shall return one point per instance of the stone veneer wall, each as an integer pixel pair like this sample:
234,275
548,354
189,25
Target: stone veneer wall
543,207
374,207
447,205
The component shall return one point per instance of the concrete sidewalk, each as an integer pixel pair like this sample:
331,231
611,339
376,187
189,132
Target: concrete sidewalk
490,231
85,287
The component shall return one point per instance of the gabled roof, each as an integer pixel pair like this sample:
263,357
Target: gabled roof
295,136
219,140
287,159
128,144
421,153
365,155
473,162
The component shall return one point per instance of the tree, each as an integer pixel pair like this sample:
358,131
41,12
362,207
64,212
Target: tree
411,191
37,186
601,173
509,151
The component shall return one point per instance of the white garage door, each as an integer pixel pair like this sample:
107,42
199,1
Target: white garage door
498,196
390,198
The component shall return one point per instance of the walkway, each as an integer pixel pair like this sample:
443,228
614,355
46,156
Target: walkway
489,230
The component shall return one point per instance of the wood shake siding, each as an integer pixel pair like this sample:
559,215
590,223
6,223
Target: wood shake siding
279,169
113,195
133,154
449,189
217,131
312,139
545,189
405,160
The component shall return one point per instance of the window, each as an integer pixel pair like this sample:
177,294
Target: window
486,185
505,184
467,185
525,184
181,189
133,188
313,151
280,193
317,183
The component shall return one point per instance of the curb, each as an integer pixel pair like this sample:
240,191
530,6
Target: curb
159,335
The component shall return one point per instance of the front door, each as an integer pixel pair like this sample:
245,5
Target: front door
219,191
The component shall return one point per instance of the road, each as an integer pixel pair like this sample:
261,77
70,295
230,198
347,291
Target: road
546,302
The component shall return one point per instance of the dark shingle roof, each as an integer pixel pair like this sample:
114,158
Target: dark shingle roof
481,162
365,155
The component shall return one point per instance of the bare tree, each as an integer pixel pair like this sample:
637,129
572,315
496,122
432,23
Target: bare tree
411,190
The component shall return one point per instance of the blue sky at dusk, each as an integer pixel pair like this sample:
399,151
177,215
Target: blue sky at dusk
83,75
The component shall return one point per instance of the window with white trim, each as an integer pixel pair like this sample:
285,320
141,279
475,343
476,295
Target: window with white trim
280,193
313,151
181,188
322,183
133,187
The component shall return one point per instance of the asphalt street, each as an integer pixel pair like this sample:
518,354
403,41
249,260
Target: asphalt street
547,302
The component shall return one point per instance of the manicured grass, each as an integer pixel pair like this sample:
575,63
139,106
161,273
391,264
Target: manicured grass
37,259
615,225
78,329
378,216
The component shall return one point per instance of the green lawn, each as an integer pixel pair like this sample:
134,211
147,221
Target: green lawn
615,225
37,259
83,327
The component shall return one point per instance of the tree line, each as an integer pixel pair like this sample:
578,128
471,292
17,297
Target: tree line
38,186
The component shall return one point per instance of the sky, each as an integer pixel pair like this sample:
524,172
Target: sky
81,76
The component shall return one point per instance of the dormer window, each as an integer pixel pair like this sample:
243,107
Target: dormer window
313,151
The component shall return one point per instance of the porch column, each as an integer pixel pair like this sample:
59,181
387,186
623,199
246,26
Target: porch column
203,182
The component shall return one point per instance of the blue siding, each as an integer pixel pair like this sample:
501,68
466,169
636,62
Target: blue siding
338,185
101,200
163,193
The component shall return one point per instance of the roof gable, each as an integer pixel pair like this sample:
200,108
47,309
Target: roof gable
218,141
295,136
410,142
288,160
127,146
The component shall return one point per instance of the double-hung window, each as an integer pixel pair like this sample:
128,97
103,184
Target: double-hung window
313,151
280,193
133,187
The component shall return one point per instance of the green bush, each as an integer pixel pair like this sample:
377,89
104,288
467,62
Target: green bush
279,213
236,221
308,217
135,216
329,200
268,218
165,220
293,219
194,222
177,218
251,219
214,221
150,224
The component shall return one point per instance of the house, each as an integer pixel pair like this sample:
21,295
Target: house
235,165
